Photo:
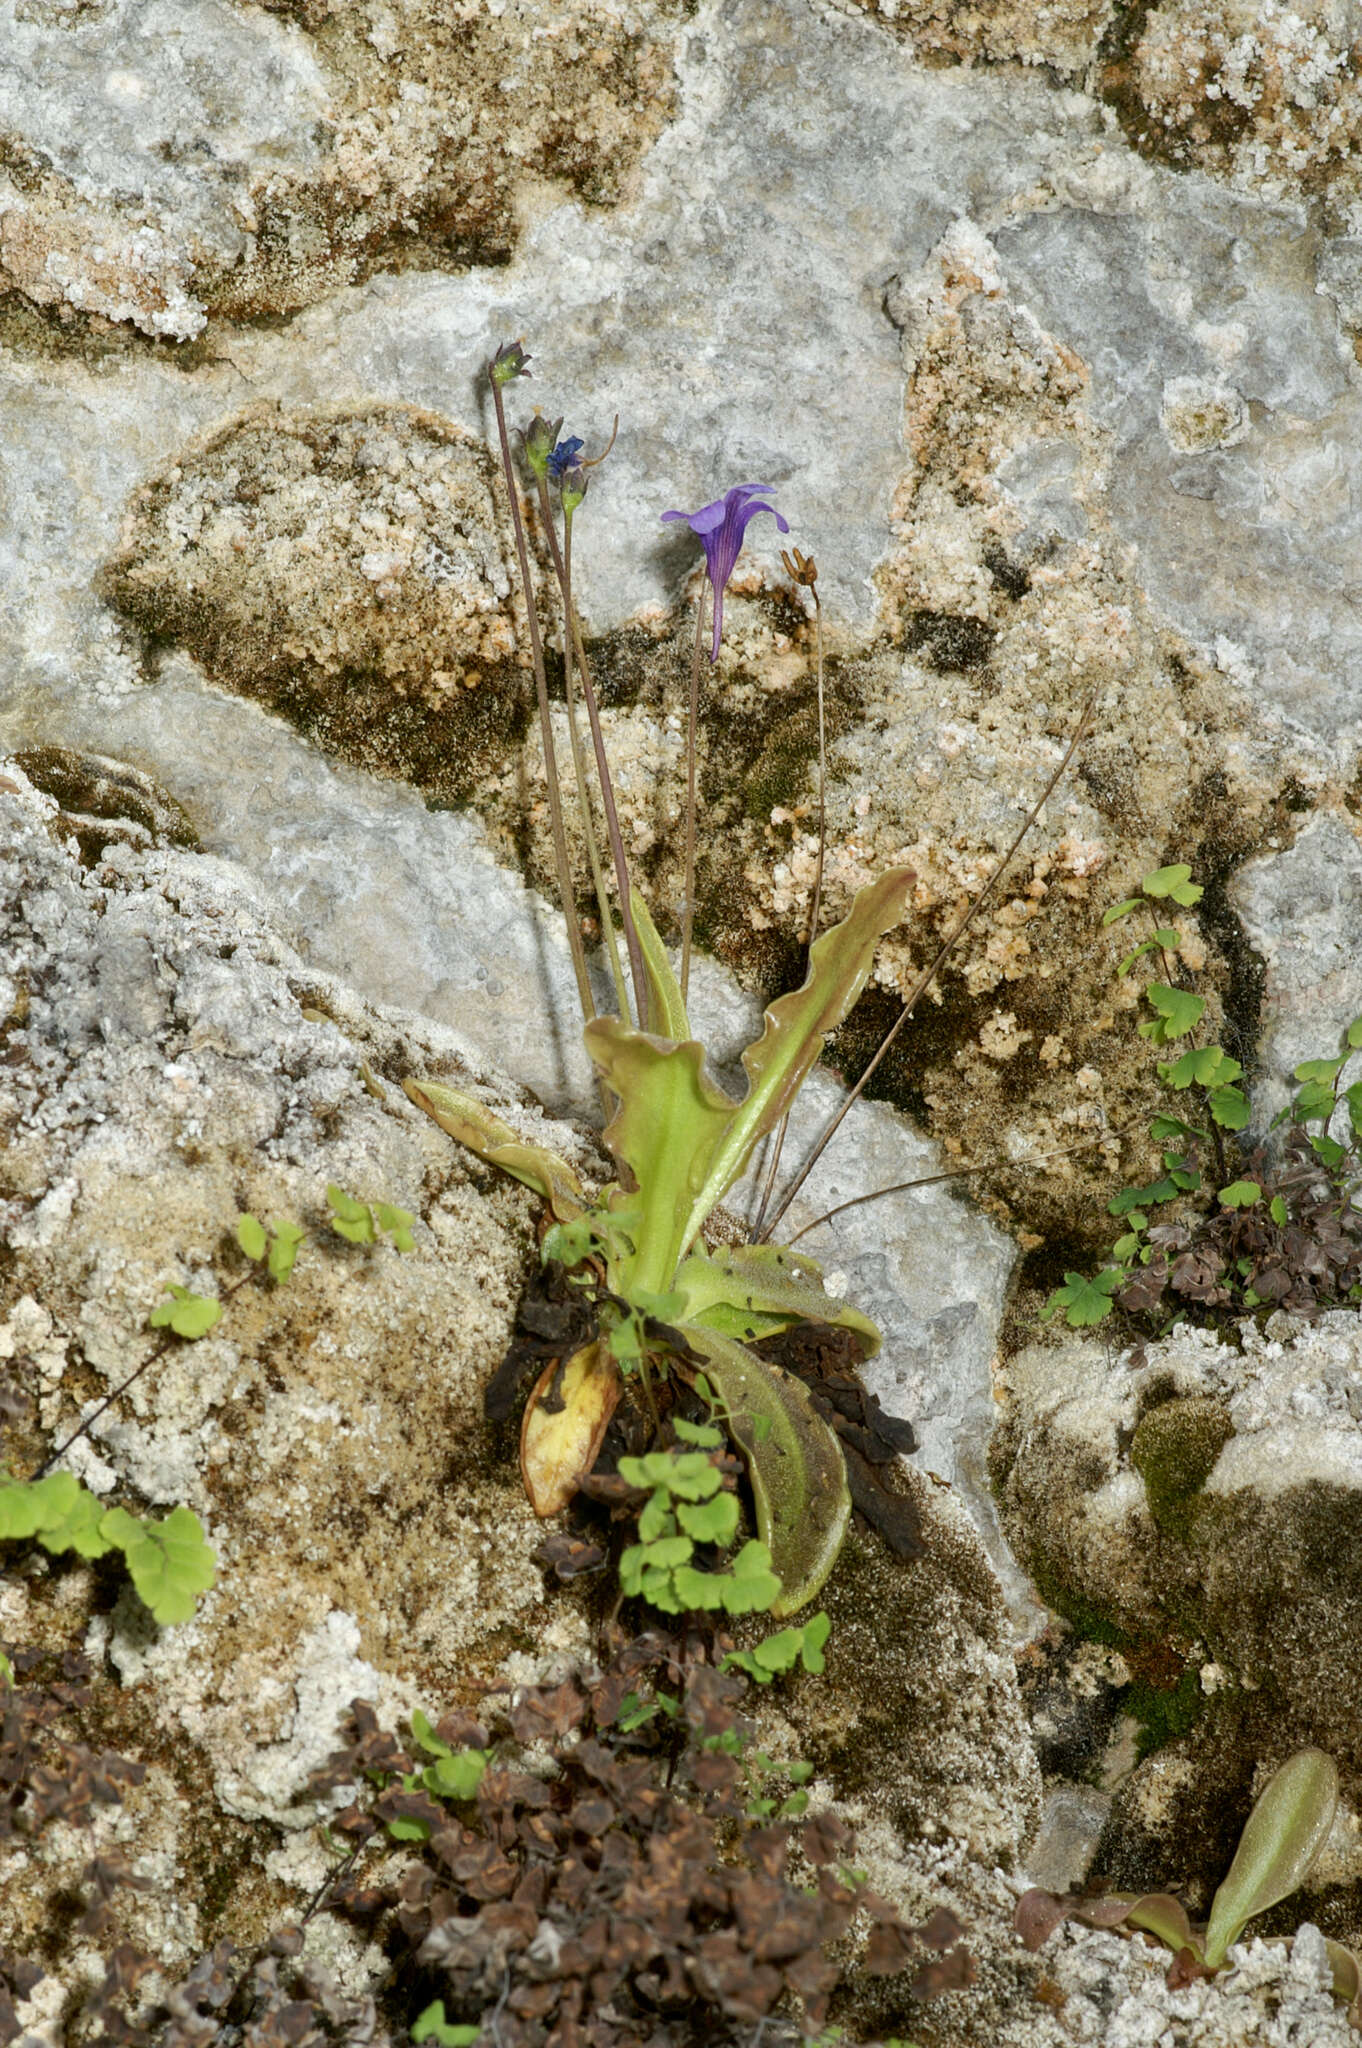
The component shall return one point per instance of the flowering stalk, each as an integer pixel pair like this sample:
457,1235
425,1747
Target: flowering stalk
692,743
563,571
509,362
612,823
719,527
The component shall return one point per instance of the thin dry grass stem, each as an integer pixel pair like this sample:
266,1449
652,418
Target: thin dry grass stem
693,726
925,979
932,1180
804,570
612,823
562,564
560,852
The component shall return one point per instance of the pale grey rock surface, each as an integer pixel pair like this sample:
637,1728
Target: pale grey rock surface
1302,910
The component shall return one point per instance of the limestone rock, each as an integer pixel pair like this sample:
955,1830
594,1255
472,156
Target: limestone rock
249,160
349,568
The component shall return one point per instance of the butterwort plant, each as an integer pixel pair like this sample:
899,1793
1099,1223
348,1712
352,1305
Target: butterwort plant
660,1312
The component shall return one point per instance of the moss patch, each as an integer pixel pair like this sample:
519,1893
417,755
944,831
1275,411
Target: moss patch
1174,1450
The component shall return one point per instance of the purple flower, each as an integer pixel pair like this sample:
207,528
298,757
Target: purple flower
564,457
720,528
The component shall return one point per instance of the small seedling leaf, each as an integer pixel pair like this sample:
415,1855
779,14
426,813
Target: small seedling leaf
252,1236
1145,946
1240,1194
188,1315
656,1518
284,1249
1230,1108
350,1219
1163,1127
396,1224
779,1652
431,2024
1325,1071
426,1737
403,1828
1175,882
702,1592
456,1775
817,1629
710,1521
1120,910
58,1510
169,1561
1084,1301
1312,1101
1206,1065
751,1586
1281,1840
1166,1918
1354,1033
1178,1012
703,1434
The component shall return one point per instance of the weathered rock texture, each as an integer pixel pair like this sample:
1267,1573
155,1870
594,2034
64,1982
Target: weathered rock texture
1197,1503
1043,323
350,568
250,160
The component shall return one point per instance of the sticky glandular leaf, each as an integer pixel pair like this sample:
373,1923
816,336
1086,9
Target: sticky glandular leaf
798,1477
1281,1840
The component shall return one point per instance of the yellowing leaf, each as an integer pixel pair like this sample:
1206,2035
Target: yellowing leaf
477,1127
558,1444
1282,1839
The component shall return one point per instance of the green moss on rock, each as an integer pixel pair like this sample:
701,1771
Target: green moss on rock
1174,1449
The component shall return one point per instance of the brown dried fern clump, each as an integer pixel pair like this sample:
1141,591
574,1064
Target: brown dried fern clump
46,1775
1297,1247
636,1883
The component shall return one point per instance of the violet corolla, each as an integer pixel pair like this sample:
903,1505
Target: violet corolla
720,528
